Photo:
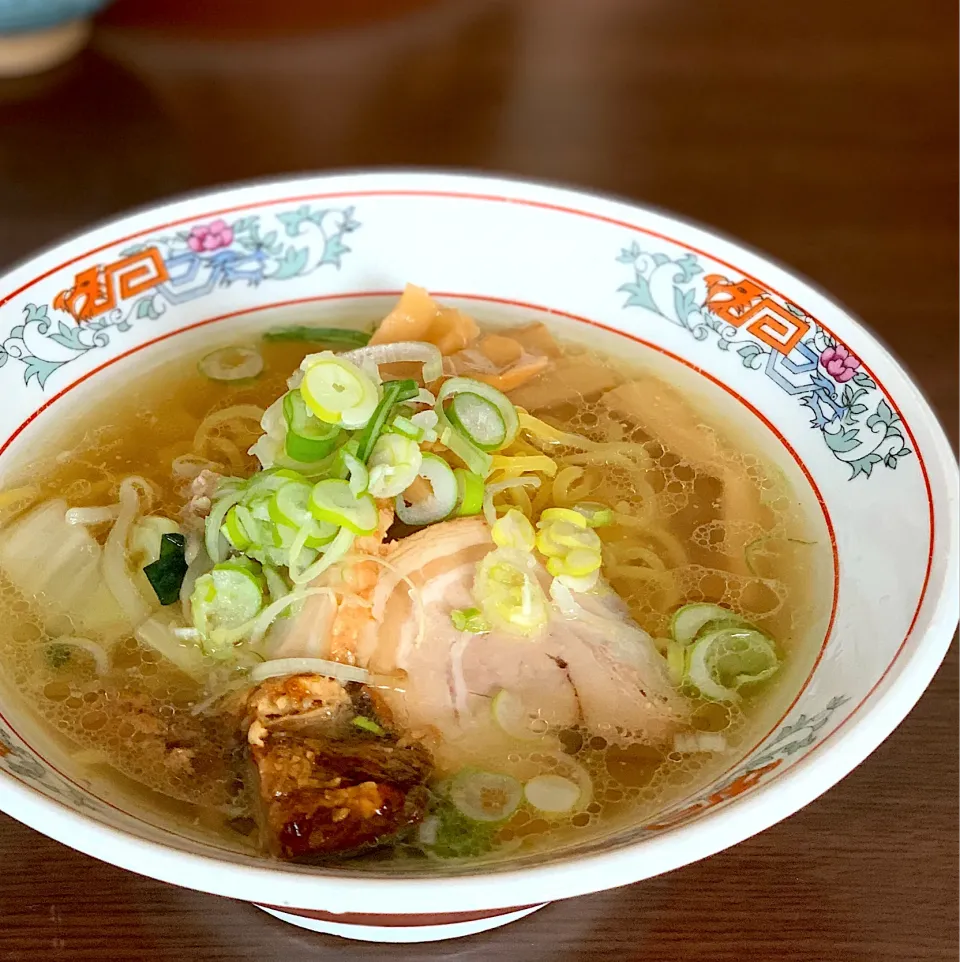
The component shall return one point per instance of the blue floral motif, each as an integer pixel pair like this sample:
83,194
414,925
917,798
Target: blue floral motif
20,762
858,424
198,261
792,738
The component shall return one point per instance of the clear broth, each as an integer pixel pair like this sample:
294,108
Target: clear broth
134,729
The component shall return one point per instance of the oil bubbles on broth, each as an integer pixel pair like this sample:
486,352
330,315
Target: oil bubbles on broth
700,513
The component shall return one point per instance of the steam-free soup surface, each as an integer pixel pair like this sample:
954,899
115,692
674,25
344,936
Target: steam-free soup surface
502,754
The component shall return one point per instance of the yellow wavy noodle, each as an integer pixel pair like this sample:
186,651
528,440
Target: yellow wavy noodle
573,484
232,457
225,435
521,500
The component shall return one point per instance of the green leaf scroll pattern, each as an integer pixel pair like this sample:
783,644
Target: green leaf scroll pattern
333,226
859,426
43,346
661,284
23,765
293,244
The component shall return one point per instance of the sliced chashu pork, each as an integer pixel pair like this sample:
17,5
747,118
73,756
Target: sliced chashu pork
335,623
590,665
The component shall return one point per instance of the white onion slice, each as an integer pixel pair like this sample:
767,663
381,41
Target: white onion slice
309,666
421,351
231,364
691,743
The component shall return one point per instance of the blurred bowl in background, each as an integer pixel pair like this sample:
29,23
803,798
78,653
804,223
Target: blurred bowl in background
36,35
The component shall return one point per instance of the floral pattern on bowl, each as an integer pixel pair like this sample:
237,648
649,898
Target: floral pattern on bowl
773,335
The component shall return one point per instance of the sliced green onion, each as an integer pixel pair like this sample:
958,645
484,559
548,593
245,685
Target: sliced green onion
552,793
367,725
393,464
290,504
214,521
724,660
688,620
478,420
393,393
334,552
318,335
408,389
266,482
466,385
440,503
470,620
319,535
426,421
509,593
231,364
308,438
769,549
234,529
277,586
359,476
513,530
404,426
470,491
337,391
167,572
290,511
225,598
485,796
477,461
334,502
596,515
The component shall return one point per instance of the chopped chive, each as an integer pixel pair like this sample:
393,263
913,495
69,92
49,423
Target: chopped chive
393,393
318,335
469,619
367,725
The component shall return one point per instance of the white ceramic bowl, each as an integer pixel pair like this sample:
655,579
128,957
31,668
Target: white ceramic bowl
807,374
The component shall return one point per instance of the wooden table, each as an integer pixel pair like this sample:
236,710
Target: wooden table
823,132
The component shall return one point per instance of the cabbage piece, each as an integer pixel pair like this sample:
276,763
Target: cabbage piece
57,566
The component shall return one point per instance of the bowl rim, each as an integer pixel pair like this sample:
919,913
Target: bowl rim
567,875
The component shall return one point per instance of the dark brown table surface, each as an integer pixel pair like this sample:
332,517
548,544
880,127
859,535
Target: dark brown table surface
823,132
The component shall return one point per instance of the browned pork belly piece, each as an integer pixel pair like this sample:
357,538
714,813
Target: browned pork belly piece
326,785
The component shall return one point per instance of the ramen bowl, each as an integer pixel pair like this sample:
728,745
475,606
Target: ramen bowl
843,414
